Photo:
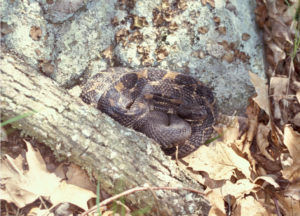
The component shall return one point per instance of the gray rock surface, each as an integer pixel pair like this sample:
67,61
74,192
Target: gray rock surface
70,40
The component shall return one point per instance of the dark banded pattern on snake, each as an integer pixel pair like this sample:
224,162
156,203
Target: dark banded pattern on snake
172,108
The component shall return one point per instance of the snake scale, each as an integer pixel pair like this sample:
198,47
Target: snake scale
172,108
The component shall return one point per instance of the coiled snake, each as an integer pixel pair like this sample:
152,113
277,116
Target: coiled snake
172,108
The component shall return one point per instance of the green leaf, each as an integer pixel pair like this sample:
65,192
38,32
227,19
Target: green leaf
17,118
98,198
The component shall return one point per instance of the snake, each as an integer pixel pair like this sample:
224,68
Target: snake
176,110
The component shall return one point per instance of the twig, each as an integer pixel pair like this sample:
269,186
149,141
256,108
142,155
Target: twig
277,207
158,210
176,155
43,203
133,190
124,206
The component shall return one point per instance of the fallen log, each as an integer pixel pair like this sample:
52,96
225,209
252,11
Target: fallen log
85,136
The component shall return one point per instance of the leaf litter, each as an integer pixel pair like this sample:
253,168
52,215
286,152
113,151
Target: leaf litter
23,186
253,170
257,171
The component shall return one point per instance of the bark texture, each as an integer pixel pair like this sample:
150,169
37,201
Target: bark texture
109,151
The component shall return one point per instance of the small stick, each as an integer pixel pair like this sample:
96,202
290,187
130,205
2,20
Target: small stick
133,190
176,155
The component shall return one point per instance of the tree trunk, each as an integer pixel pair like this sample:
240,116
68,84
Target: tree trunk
82,134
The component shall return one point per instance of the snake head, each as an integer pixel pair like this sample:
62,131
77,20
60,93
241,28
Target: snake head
191,112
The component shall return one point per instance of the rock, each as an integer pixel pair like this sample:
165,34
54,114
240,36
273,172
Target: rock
70,40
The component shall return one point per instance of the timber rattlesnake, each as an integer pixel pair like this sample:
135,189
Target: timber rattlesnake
169,107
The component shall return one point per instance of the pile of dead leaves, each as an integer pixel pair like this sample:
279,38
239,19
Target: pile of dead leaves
255,169
26,180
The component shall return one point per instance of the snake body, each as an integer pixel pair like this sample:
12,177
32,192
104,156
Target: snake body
172,108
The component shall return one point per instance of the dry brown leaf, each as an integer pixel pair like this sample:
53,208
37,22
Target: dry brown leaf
293,191
291,140
291,173
76,176
271,7
72,194
290,206
231,132
37,211
278,53
296,84
63,209
269,179
261,88
281,31
211,2
11,178
108,53
24,186
250,207
219,161
215,197
252,112
291,11
262,140
278,86
238,189
286,160
79,177
234,131
296,119
252,130
109,213
298,96
200,178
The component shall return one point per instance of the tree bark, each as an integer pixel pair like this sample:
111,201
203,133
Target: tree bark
82,134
